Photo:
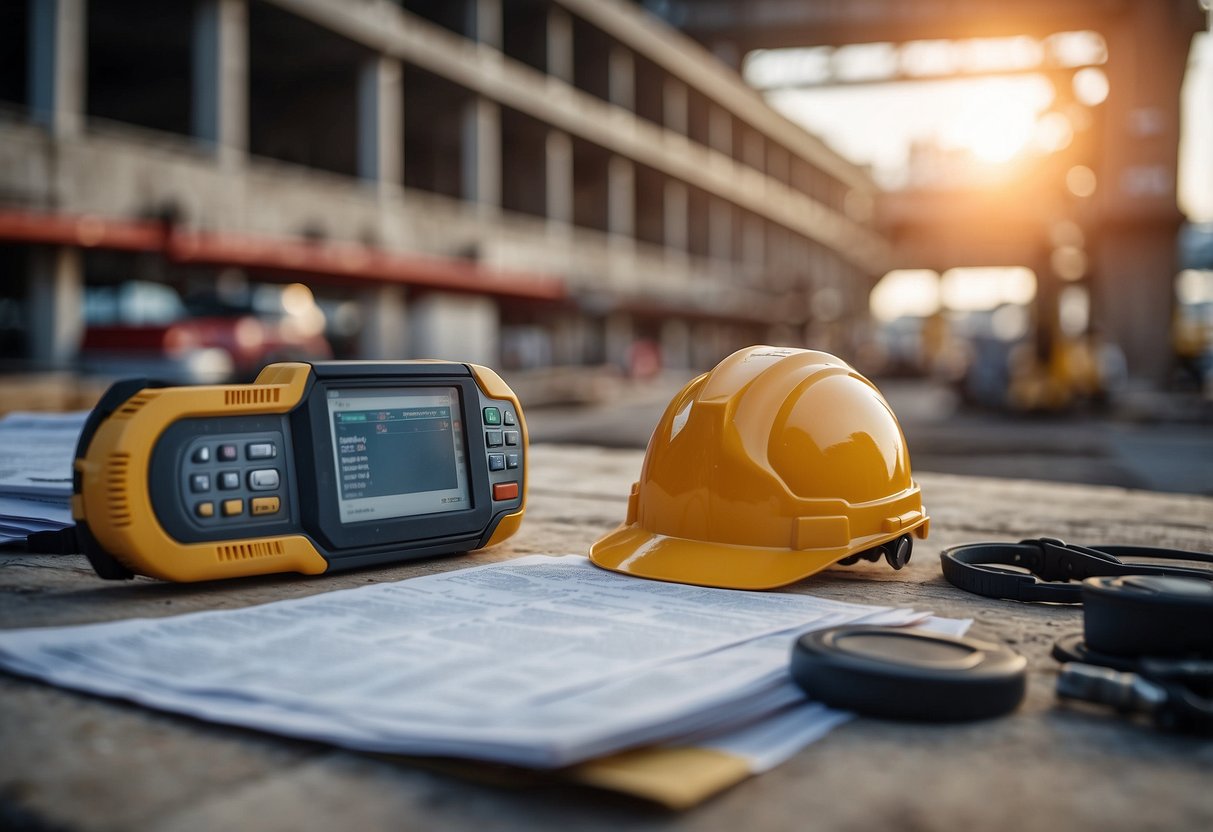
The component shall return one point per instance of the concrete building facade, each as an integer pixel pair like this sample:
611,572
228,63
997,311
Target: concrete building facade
518,182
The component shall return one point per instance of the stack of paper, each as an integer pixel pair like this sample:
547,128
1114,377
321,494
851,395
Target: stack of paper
542,662
36,451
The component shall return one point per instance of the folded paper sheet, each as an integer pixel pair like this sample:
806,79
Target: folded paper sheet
540,662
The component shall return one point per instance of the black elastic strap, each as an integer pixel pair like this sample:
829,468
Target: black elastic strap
55,542
1054,566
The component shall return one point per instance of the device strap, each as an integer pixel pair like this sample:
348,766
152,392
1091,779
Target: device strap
1054,566
53,542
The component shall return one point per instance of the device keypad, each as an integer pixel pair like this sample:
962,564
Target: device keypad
244,469
505,473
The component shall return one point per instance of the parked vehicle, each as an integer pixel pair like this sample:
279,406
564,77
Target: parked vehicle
148,329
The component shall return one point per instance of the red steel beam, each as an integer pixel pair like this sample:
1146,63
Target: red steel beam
84,231
281,256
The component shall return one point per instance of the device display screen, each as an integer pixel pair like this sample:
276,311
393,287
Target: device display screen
398,453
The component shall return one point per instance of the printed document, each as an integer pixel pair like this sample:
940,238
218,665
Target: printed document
539,661
36,452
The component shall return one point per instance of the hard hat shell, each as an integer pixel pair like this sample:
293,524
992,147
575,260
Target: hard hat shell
774,465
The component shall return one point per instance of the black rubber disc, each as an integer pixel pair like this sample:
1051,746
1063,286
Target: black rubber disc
1148,615
909,674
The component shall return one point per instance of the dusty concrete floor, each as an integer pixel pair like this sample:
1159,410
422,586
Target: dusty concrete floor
69,761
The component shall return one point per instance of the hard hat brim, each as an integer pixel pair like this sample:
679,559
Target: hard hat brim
632,550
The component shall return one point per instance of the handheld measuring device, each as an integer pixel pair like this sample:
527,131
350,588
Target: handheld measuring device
311,468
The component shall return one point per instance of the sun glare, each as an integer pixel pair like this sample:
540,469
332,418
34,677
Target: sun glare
998,125
902,292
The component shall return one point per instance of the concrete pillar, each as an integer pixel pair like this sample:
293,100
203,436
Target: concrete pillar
1136,168
558,169
219,106
381,122
56,305
675,221
484,21
1133,296
720,130
779,163
385,331
621,197
454,327
720,229
560,44
619,340
58,64
675,344
753,242
481,148
621,77
674,108
753,150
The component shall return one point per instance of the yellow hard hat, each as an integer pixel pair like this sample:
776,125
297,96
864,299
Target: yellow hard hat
774,465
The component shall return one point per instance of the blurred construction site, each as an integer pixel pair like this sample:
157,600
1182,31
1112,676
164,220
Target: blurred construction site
1003,212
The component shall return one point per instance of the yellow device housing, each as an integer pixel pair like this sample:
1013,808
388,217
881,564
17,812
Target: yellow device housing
311,468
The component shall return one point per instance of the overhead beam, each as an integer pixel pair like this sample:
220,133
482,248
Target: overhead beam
768,24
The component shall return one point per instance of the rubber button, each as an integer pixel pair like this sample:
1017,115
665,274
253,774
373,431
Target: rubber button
233,507
229,480
200,483
492,438
227,453
202,454
509,418
496,462
492,416
511,460
261,450
505,490
264,505
511,437
206,509
264,479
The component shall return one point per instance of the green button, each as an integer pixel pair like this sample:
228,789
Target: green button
492,416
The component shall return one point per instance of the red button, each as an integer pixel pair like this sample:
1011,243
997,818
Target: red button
505,490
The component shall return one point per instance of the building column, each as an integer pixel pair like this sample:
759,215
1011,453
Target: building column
675,344
455,328
560,44
219,106
720,130
753,151
385,331
621,197
674,106
621,77
381,123
720,229
753,242
56,305
482,152
675,219
619,335
484,21
57,68
558,177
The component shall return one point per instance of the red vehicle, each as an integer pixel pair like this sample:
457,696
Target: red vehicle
148,329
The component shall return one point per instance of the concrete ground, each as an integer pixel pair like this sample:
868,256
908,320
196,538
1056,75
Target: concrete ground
1158,454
